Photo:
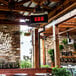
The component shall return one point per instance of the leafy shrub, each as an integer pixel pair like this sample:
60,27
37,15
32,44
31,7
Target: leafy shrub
75,46
45,66
61,47
65,42
51,52
25,64
60,72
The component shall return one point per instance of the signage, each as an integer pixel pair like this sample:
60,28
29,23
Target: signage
39,18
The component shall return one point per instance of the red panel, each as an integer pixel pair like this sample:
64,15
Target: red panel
39,19
35,19
42,18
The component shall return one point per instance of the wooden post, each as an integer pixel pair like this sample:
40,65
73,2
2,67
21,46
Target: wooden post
56,46
44,55
37,61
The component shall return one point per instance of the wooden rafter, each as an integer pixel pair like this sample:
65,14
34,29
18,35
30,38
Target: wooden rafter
21,2
46,7
67,25
54,0
70,23
30,3
4,2
58,8
49,30
17,16
12,22
67,30
60,13
17,9
71,20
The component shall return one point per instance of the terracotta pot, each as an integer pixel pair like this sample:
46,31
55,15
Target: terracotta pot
52,64
27,34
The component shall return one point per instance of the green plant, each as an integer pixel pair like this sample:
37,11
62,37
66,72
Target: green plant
61,47
25,64
60,72
65,42
51,52
75,46
21,32
45,66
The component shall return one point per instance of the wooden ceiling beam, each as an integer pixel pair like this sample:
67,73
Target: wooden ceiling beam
12,22
54,0
60,13
21,2
4,2
17,9
71,20
66,25
61,26
17,16
49,30
57,8
71,29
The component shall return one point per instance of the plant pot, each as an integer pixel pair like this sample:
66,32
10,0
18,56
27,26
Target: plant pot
27,34
52,64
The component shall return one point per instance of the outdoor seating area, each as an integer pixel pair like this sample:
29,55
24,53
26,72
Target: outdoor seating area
37,37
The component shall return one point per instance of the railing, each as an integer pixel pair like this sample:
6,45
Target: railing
29,72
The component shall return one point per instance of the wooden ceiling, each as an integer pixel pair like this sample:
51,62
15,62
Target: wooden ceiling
66,26
11,11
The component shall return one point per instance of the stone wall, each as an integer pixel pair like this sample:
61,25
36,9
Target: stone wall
9,43
49,44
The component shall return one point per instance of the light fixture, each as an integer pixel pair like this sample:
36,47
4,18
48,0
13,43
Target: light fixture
22,20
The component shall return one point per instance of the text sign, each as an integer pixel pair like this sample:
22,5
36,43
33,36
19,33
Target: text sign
39,18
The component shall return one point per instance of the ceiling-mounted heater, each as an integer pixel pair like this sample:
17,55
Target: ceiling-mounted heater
38,18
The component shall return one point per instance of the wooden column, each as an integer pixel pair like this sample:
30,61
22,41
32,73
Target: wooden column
37,62
56,46
44,55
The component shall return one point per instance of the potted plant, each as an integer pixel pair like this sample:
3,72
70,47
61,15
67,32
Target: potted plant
75,46
60,72
25,64
61,47
27,33
65,42
51,52
21,32
45,66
